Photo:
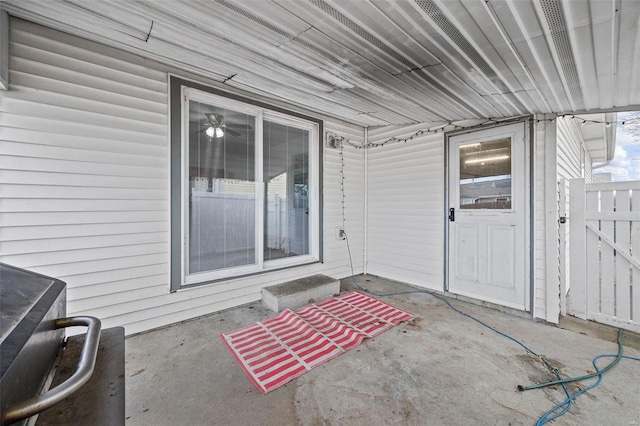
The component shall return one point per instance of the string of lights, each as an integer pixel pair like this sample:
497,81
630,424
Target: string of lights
344,219
334,140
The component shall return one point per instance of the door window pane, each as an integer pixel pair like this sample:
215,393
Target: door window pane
485,175
286,178
222,190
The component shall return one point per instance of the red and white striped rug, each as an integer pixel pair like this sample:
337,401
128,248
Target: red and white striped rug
277,350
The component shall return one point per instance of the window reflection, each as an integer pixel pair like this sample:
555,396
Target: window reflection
286,175
485,175
221,187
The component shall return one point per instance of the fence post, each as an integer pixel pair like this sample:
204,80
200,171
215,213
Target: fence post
578,255
635,242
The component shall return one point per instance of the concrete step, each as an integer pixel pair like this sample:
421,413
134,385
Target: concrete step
300,292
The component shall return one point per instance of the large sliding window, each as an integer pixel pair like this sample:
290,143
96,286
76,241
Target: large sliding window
249,188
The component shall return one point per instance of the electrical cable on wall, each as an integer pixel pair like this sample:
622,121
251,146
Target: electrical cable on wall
344,219
565,405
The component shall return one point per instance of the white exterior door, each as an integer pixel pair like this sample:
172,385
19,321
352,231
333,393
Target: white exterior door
488,232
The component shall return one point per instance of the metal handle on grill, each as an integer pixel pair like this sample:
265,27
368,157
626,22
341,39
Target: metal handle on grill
83,373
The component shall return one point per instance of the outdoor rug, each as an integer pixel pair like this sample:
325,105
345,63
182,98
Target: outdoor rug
277,350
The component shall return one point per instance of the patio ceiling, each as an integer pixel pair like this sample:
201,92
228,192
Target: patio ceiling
383,62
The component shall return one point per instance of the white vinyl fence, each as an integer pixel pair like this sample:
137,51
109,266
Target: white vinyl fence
230,217
604,223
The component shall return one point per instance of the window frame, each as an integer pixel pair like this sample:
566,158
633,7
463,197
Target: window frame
181,91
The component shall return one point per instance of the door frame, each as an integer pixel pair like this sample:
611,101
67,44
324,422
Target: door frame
527,122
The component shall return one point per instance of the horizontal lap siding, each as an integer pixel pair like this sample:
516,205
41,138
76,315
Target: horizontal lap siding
335,251
84,171
569,149
406,207
84,184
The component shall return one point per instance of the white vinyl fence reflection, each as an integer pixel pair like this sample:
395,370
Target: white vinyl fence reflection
223,225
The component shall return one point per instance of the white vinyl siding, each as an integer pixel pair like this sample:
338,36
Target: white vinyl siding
335,251
84,189
570,146
84,184
406,214
406,207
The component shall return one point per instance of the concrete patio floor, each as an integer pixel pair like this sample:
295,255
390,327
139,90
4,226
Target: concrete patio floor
439,368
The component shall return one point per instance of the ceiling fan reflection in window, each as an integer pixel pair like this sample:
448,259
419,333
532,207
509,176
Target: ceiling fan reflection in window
215,126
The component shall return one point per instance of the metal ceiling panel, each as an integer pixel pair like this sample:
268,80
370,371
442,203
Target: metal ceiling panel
412,73
628,57
367,75
558,31
378,62
496,51
580,33
525,28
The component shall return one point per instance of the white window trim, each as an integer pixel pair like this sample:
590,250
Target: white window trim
261,114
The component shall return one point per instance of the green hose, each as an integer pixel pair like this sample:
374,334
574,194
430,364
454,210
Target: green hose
581,378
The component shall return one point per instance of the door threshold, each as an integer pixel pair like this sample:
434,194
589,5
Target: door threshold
506,309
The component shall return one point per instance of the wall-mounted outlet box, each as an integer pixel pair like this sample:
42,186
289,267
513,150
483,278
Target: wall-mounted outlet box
339,233
333,141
